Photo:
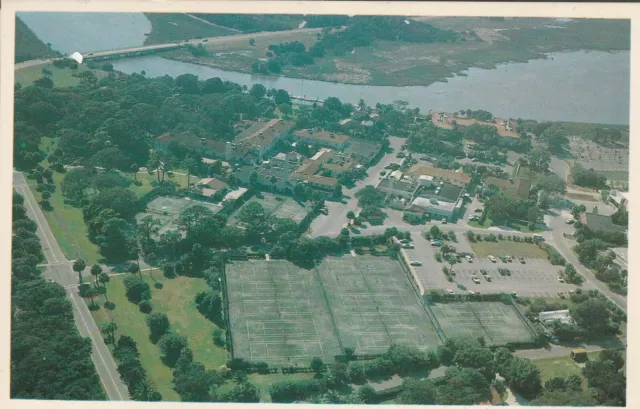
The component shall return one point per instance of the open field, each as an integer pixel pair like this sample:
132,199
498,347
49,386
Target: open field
61,77
278,314
146,179
167,210
167,28
374,305
176,299
403,64
497,322
67,224
593,156
507,247
275,205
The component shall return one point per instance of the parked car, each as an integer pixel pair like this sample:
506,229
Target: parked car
487,277
475,279
483,272
503,259
478,210
416,263
570,220
509,259
571,292
444,220
408,246
514,294
493,259
522,260
382,173
404,241
469,259
474,217
560,294
472,292
436,243
450,291
560,279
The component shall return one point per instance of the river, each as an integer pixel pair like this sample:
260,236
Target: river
576,86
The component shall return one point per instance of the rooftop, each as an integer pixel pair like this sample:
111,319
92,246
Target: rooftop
235,194
518,189
324,136
401,185
363,149
558,315
263,133
597,222
426,203
420,169
212,183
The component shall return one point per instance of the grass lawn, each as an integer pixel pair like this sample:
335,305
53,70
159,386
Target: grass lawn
516,225
147,178
263,382
504,247
176,299
166,28
61,77
560,366
67,224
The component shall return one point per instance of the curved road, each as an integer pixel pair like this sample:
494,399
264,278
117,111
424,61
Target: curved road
60,270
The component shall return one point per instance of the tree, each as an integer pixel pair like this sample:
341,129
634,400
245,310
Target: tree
104,279
136,289
147,226
561,397
523,376
614,356
282,97
464,386
371,196
189,164
96,270
539,159
367,394
445,355
258,91
134,269
417,392
252,42
158,323
209,304
134,169
552,184
555,138
435,232
351,215
78,266
593,316
45,198
171,346
109,328
317,365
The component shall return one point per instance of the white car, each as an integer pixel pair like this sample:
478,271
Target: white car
408,246
493,259
560,279
570,221
468,257
450,291
475,280
416,263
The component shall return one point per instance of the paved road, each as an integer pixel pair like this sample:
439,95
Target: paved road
59,269
554,237
332,223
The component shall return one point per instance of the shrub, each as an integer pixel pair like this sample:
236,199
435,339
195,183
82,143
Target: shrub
145,306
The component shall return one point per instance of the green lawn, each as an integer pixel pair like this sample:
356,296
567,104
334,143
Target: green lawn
67,224
263,382
146,179
516,225
507,247
170,27
61,77
176,299
560,366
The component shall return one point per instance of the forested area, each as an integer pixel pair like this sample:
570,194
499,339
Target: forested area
49,358
28,45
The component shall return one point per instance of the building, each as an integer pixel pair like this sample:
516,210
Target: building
226,150
262,137
234,194
619,199
363,151
333,161
599,222
209,161
454,177
209,186
548,317
397,184
327,139
308,174
438,199
516,188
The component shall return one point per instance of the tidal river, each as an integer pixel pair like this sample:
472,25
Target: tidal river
572,86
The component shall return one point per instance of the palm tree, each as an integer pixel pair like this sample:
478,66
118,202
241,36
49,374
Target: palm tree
189,163
104,279
109,328
134,170
78,266
96,270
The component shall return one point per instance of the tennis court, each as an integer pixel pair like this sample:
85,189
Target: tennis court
278,206
278,314
374,305
167,210
497,322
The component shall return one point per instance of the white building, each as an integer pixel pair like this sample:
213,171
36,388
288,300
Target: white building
548,317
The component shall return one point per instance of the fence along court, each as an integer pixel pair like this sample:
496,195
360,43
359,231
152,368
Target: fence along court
496,322
373,304
277,314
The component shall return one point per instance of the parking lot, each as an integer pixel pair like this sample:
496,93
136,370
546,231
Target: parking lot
535,278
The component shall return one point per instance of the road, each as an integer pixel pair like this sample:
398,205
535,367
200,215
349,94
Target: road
60,270
203,41
328,225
